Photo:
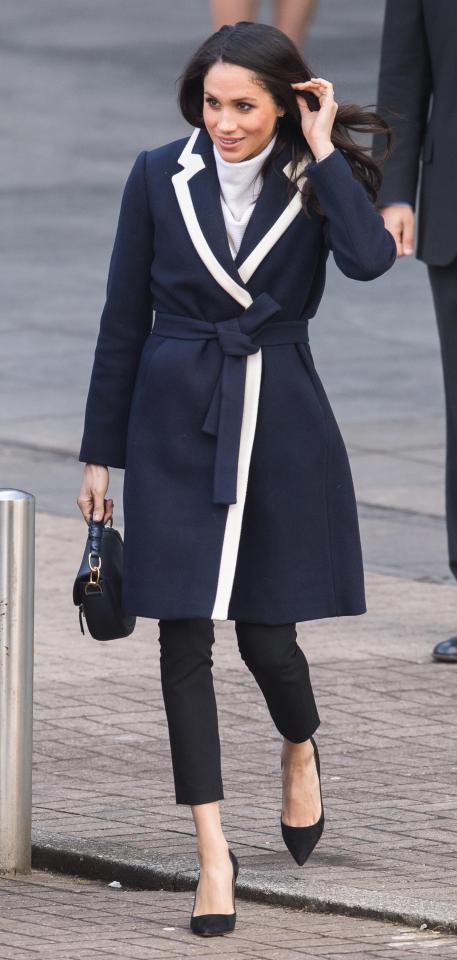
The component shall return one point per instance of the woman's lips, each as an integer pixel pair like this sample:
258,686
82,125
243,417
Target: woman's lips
230,142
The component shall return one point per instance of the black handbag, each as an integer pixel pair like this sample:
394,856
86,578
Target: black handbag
98,584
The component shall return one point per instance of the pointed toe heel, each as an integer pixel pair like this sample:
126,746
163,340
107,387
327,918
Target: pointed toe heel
216,924
300,841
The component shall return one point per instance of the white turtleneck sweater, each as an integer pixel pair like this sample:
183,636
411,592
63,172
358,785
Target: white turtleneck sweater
240,185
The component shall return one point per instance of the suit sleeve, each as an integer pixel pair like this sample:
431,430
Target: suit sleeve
404,91
362,247
124,325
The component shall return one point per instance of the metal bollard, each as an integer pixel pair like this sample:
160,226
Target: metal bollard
17,587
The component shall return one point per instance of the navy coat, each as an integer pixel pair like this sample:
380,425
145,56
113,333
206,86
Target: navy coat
238,496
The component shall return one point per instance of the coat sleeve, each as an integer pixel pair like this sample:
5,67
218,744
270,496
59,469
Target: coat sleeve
124,325
362,246
404,92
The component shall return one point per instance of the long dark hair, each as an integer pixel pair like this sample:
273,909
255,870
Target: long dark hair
275,60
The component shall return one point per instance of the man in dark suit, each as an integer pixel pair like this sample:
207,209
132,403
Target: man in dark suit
417,96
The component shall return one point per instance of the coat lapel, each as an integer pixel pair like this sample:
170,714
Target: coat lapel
198,194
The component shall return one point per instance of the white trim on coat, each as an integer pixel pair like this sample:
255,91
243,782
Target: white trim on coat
255,257
235,511
192,163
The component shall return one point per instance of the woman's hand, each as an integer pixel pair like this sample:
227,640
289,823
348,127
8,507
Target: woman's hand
94,486
317,124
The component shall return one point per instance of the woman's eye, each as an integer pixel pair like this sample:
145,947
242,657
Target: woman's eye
241,103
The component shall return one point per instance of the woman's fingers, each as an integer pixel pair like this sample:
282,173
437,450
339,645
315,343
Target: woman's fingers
99,505
85,504
109,506
320,88
104,510
325,85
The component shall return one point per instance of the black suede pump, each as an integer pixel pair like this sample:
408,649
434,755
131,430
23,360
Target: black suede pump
216,924
300,841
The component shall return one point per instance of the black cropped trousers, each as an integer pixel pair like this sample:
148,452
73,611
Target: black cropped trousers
277,663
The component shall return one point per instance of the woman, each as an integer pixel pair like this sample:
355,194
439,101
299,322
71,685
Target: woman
238,497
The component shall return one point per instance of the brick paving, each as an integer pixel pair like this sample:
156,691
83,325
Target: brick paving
102,769
58,918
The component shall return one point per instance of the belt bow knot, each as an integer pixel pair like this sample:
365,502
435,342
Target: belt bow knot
238,337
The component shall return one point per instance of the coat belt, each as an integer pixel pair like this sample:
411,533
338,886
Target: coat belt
238,337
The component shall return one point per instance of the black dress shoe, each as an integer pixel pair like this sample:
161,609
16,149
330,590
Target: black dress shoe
446,650
216,924
300,841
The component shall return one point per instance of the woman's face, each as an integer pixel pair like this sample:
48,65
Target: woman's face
239,115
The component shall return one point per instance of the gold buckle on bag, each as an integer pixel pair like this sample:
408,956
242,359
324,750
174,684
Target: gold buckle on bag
94,569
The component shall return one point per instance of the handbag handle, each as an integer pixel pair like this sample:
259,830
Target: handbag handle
95,533
94,537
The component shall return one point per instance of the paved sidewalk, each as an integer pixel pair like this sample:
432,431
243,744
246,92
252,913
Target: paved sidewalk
56,918
103,782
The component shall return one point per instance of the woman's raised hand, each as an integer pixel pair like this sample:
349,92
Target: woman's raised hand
91,500
317,124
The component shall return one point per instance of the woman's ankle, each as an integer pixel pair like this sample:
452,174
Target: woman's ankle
297,754
212,853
